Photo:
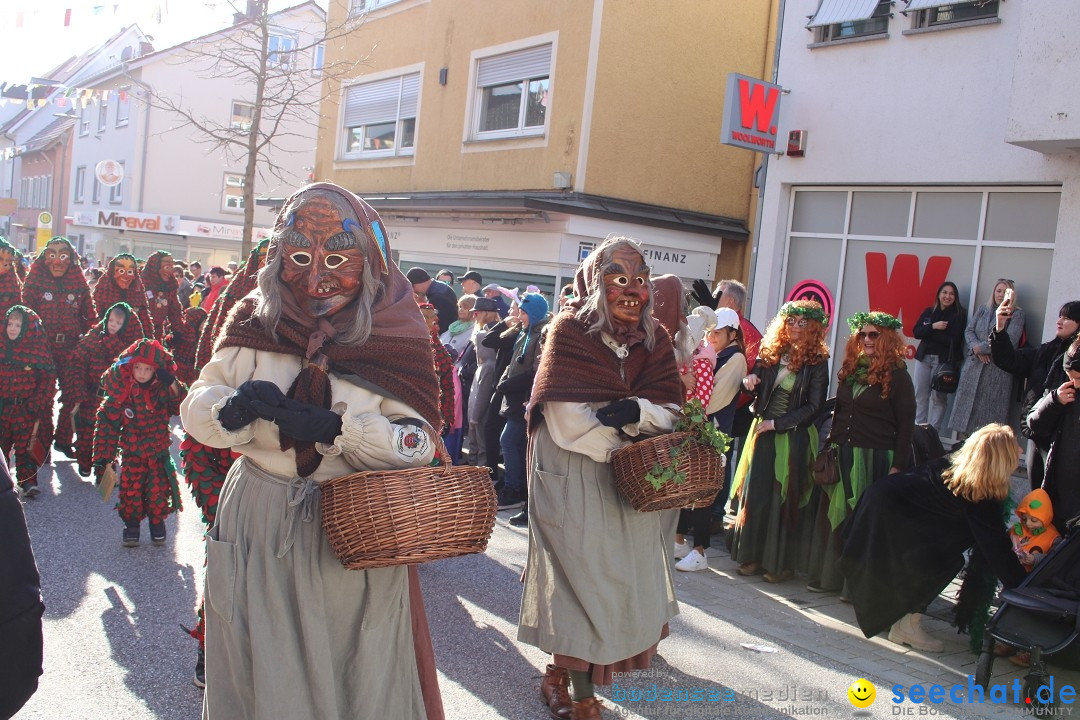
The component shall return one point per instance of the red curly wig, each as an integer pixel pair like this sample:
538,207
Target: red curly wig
888,356
776,343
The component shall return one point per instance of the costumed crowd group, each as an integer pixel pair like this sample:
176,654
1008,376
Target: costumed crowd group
320,358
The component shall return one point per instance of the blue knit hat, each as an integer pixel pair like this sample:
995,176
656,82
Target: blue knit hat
535,306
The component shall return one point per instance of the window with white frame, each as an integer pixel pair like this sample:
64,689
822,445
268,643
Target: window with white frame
103,113
116,192
243,114
512,93
932,13
95,194
24,192
35,192
318,57
232,194
123,110
280,51
80,183
380,117
857,18
359,7
84,121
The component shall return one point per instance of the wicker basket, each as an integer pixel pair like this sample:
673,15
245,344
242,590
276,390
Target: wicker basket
382,518
704,470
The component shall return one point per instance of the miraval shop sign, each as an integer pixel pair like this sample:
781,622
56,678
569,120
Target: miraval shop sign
129,221
751,113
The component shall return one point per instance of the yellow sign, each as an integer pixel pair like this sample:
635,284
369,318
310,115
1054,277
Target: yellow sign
44,230
44,219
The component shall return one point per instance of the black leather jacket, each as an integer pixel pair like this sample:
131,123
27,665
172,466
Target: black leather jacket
807,396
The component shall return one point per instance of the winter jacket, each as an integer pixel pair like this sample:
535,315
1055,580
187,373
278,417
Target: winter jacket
807,396
1040,367
516,382
943,343
1061,424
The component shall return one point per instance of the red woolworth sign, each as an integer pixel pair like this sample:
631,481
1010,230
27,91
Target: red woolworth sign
751,113
902,292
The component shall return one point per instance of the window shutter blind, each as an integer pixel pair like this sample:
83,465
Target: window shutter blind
925,4
372,102
410,91
831,12
520,65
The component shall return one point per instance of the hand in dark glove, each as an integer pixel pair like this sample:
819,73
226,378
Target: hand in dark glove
301,421
237,412
164,377
264,392
619,413
703,294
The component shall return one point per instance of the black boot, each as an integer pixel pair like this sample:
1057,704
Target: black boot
157,532
131,534
200,670
522,518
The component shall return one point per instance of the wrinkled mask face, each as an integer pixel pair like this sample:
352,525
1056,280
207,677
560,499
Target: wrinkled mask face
626,287
166,271
58,258
124,273
14,325
7,262
116,321
322,262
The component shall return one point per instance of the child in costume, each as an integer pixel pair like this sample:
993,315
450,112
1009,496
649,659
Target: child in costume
27,378
1034,533
98,349
141,394
121,283
161,293
10,284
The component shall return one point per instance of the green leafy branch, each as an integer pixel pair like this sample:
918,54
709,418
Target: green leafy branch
702,431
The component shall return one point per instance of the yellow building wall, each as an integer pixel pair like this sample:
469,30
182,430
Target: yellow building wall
444,33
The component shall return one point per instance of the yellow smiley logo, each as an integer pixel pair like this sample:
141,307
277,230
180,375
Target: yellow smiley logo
861,693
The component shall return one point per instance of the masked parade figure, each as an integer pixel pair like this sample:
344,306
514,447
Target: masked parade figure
10,284
161,294
121,283
27,379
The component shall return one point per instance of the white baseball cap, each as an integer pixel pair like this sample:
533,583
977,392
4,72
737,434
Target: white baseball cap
727,318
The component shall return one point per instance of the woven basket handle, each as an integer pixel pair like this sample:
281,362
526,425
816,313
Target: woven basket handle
440,448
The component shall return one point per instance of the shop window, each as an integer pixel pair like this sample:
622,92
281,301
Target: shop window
512,93
123,110
947,215
379,119
80,183
843,19
819,212
243,114
931,13
1029,217
880,213
232,195
116,192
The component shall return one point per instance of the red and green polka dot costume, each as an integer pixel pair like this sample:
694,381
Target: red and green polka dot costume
67,312
107,292
27,378
133,419
161,296
184,341
10,283
96,352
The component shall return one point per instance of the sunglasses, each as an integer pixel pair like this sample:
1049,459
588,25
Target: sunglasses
796,322
872,335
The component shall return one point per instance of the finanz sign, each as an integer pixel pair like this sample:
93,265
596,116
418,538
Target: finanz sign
751,113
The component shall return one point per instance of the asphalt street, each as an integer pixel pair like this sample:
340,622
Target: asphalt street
114,647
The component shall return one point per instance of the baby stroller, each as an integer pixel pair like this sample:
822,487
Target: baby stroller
1041,616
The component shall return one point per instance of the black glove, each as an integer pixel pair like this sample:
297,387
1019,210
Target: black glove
703,294
164,377
619,413
301,421
261,391
237,412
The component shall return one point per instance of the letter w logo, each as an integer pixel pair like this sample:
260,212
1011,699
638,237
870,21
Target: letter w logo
757,103
902,293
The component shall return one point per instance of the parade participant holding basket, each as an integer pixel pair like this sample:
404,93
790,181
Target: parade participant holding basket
790,380
607,374
325,369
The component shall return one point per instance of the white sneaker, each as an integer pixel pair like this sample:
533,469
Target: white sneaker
693,562
682,550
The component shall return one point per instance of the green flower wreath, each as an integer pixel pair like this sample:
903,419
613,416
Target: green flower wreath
807,309
876,318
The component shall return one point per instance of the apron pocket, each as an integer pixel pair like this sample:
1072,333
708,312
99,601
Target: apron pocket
220,575
549,498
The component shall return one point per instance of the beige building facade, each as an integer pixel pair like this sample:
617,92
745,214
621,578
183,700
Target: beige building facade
511,137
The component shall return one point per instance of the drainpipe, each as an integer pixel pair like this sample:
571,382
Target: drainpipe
752,275
142,163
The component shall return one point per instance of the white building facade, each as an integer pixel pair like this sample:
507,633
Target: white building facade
942,143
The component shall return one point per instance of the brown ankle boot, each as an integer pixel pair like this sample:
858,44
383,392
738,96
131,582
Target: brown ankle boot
554,689
587,709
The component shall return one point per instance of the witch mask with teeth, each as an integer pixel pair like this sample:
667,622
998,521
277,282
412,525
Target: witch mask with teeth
614,294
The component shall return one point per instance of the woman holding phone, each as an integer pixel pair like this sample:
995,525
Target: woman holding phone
986,390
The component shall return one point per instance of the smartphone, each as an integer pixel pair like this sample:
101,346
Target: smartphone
1008,299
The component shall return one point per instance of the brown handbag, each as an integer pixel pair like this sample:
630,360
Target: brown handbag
826,468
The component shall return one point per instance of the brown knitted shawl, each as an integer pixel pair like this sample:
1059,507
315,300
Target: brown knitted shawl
576,367
400,368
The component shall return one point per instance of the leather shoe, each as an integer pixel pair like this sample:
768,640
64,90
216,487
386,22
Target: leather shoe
587,709
554,689
749,569
778,577
521,519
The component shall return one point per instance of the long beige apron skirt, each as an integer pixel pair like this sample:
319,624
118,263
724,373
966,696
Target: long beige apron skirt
290,633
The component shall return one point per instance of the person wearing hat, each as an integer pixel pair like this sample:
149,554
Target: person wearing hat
724,338
438,293
471,282
140,394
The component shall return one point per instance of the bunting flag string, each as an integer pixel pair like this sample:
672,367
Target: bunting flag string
34,95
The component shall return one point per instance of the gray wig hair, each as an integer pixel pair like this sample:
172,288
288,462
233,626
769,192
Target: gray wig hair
268,312
594,311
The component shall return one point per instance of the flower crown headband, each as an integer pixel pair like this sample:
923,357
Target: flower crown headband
807,309
875,318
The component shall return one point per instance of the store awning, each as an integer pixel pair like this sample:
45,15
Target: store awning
831,12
